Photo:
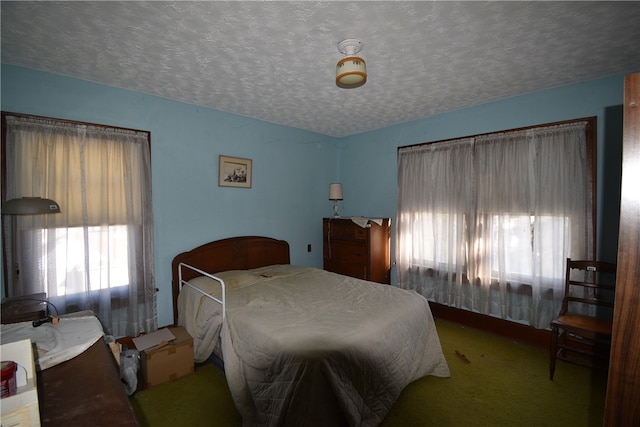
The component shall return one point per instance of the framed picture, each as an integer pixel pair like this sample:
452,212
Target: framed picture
234,172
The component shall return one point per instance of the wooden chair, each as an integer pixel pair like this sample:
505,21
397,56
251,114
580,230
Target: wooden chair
581,333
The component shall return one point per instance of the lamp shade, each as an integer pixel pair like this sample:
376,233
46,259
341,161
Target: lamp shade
351,72
30,206
335,191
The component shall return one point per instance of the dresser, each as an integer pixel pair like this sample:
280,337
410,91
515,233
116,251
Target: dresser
357,251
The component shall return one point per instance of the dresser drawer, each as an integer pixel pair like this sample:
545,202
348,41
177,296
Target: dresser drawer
358,271
350,252
342,229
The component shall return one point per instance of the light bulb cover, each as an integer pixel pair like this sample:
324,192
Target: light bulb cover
351,72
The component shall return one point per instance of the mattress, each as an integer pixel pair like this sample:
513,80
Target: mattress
303,346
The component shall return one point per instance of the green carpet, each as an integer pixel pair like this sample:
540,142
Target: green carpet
502,384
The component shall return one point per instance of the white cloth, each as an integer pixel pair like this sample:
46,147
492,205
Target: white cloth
56,343
364,222
486,223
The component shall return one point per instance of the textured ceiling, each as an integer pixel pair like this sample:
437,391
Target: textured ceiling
275,61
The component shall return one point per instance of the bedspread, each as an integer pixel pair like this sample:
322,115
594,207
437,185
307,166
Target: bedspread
304,346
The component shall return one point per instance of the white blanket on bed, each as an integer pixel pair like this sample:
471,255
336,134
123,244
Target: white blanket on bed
201,317
308,347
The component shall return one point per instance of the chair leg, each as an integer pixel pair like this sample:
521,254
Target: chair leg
553,351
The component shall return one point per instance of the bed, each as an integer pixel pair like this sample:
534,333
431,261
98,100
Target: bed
302,346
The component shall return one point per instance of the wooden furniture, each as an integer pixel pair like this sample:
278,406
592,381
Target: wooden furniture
361,252
24,308
623,387
85,391
234,253
581,333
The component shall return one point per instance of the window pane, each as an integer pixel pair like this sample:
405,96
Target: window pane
513,240
104,266
442,233
511,247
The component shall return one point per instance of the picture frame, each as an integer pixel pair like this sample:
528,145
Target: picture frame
234,172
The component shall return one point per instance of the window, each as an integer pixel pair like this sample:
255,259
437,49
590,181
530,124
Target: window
442,252
107,265
486,223
97,253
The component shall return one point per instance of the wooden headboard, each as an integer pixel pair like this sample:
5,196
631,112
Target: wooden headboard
234,253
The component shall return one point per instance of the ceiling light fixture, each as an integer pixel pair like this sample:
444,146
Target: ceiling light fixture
351,72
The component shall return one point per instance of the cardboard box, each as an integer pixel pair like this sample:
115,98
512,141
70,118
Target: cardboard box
22,408
168,361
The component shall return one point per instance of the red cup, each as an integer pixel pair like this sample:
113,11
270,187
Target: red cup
8,378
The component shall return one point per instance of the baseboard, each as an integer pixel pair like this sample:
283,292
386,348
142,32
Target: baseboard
516,331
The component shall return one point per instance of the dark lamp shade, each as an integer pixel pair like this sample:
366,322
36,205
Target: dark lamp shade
30,206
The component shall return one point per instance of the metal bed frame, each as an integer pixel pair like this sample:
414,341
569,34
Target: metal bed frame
182,283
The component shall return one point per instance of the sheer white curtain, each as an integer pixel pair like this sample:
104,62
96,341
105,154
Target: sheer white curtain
486,223
97,254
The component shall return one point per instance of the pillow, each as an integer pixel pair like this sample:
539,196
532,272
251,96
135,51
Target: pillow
236,279
279,270
208,285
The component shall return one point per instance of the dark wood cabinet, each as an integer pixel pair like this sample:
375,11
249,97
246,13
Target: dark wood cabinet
355,250
623,387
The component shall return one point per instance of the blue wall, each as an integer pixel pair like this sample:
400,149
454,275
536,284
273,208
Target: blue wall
291,167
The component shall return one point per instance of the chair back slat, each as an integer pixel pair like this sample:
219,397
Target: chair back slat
588,284
591,301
